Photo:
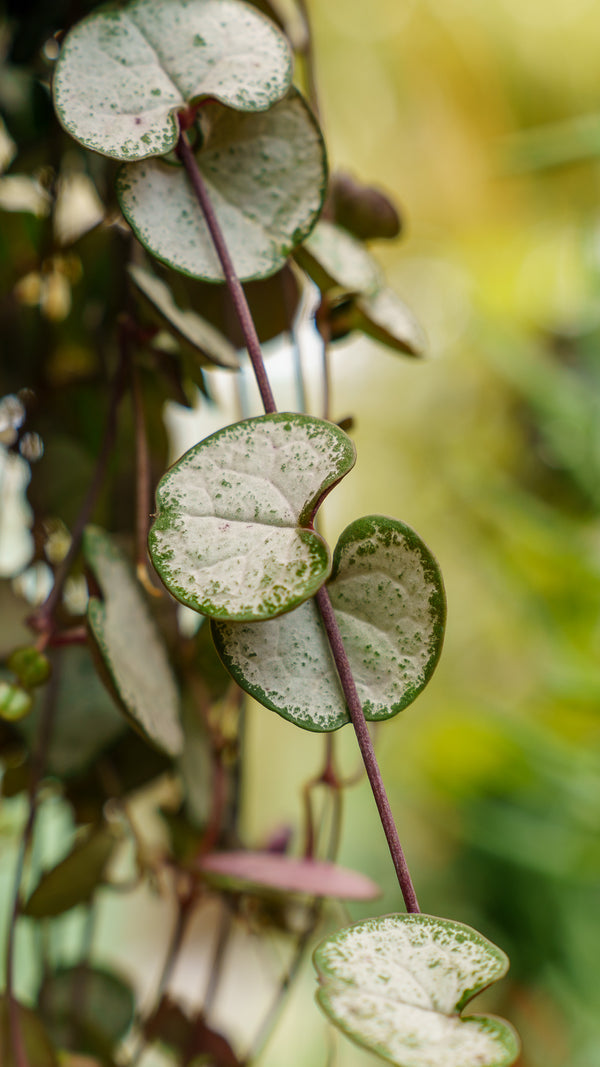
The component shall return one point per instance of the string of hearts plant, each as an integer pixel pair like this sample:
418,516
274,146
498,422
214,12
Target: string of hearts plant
223,176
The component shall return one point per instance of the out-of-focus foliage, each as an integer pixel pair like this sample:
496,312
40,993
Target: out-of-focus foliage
483,124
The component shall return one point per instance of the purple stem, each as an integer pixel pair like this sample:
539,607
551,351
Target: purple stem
233,283
322,597
16,1037
366,748
42,620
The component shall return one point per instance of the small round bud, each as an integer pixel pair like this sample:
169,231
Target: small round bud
31,667
15,703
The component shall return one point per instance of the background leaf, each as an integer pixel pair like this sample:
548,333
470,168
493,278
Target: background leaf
189,327
233,536
38,1049
130,645
386,318
272,870
397,984
86,1009
333,258
86,720
75,879
122,74
265,174
388,596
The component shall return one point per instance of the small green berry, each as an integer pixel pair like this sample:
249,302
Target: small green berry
15,703
31,667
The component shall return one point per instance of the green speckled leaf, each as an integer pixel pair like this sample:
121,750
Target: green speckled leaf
130,645
397,984
192,329
233,536
336,260
265,174
388,596
123,73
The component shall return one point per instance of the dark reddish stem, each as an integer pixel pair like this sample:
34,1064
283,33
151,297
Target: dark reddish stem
143,474
366,748
37,771
322,597
309,59
42,620
234,285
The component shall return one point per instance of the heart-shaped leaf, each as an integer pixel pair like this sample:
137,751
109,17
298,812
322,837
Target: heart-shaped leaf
123,73
233,536
388,596
130,645
397,984
271,870
265,174
75,879
189,327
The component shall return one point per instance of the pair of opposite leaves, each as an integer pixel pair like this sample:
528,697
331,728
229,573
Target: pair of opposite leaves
122,77
234,539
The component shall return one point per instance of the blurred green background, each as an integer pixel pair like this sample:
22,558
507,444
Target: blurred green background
483,121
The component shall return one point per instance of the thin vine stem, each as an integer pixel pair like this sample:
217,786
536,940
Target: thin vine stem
37,771
143,492
366,748
309,59
285,983
42,620
324,605
234,285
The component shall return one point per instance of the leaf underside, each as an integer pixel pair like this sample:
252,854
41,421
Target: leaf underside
233,537
388,597
397,984
123,73
265,175
387,319
75,879
271,870
190,328
130,645
337,261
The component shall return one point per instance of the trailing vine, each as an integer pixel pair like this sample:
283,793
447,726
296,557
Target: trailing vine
223,176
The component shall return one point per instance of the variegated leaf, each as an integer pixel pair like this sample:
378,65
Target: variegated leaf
123,73
388,596
397,985
265,174
233,536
